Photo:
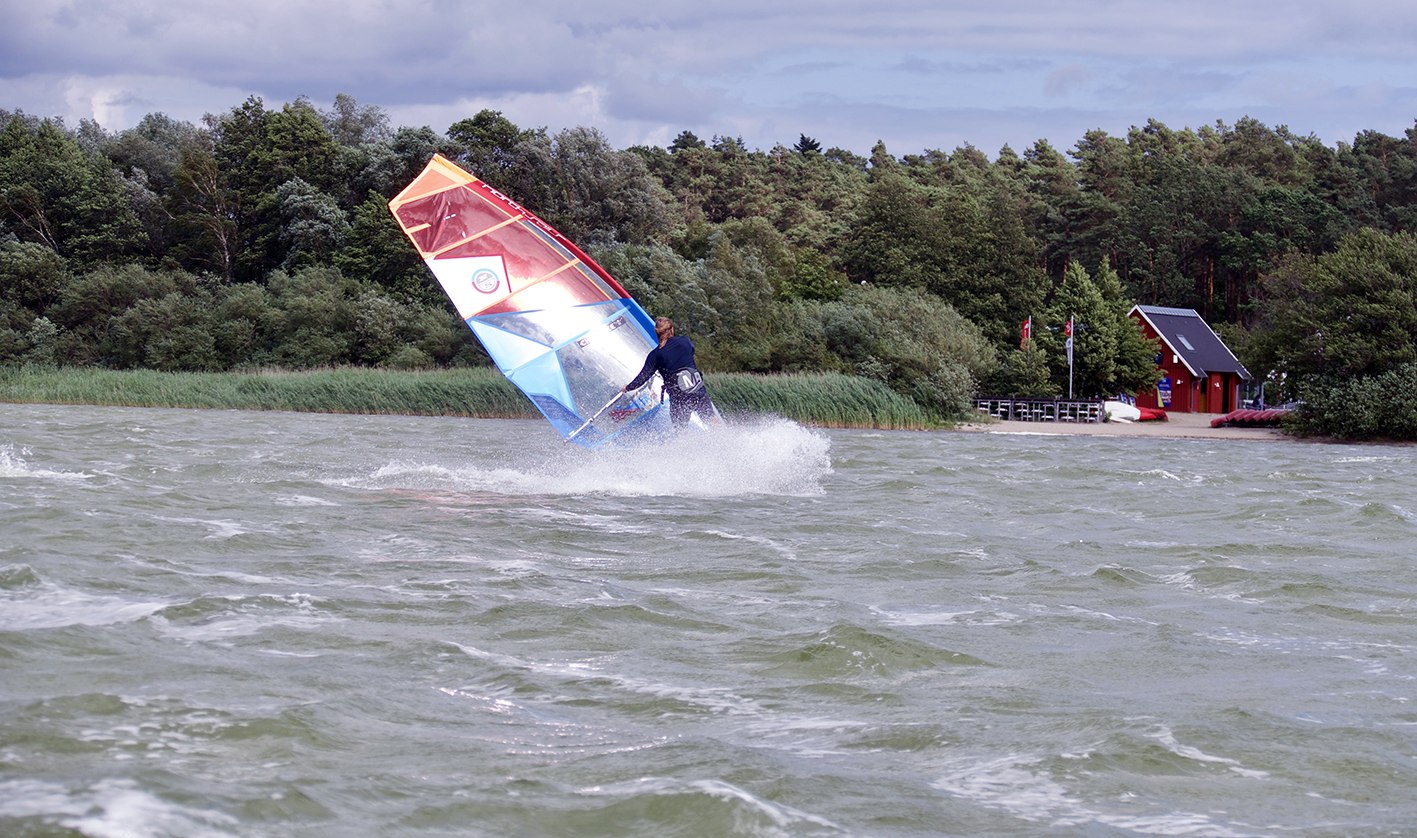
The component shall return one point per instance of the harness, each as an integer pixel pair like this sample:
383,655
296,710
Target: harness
689,381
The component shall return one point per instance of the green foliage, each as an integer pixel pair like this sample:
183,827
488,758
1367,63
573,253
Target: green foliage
490,142
1134,365
918,346
811,277
173,332
351,124
799,341
41,343
1373,407
665,283
711,184
54,193
90,305
950,229
1110,354
151,148
388,165
312,224
255,152
894,237
1025,373
584,188
204,213
738,277
376,250
685,140
131,317
807,145
262,236
13,344
1346,314
726,300
31,274
813,199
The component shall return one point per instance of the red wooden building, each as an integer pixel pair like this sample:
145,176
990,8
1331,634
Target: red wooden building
1201,374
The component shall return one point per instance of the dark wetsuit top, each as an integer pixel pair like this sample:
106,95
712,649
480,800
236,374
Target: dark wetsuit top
676,354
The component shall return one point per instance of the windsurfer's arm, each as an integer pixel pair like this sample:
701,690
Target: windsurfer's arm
639,380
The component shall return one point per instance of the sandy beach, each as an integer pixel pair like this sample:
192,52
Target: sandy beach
1176,426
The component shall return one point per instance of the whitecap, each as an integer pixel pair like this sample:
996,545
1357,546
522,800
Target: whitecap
1018,785
111,809
303,500
767,456
931,617
780,816
52,607
1168,739
716,700
248,617
218,529
13,465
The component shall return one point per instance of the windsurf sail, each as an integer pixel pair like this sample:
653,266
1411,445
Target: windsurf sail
557,325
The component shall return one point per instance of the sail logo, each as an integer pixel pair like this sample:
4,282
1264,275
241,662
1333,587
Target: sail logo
486,280
472,282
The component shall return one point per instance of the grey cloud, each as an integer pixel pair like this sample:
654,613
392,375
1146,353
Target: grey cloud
678,64
999,64
1068,78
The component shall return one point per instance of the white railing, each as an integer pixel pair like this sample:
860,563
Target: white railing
1042,410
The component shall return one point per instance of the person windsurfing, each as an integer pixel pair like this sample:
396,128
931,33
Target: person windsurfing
673,359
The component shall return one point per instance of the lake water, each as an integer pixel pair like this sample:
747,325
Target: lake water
222,623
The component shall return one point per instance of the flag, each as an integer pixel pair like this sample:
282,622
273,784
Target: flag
1027,332
1068,330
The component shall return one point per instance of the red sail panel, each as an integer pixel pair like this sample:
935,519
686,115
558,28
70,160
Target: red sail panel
448,214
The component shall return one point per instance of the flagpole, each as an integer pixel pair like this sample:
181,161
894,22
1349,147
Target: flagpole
1070,357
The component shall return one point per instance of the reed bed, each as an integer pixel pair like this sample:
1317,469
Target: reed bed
825,400
478,392
828,400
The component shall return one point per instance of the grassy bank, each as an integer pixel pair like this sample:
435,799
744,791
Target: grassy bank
826,400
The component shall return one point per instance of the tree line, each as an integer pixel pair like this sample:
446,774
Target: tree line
261,236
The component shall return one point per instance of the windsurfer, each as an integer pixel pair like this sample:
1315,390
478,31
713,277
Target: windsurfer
673,359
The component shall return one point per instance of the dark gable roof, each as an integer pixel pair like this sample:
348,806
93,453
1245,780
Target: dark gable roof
1188,336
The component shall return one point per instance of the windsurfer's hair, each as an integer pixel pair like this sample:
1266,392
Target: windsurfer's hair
663,329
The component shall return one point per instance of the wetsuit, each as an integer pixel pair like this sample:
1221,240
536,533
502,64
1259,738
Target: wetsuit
676,354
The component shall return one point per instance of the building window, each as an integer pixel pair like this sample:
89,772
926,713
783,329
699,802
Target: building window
1185,343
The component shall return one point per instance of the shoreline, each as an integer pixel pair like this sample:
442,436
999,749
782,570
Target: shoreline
1176,426
827,399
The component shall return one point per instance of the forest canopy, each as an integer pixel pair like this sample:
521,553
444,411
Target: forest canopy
261,237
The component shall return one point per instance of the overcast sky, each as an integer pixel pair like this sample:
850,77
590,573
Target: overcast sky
918,75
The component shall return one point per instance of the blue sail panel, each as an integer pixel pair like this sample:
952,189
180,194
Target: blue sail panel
572,362
508,351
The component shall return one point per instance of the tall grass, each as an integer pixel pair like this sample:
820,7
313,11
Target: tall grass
478,392
827,400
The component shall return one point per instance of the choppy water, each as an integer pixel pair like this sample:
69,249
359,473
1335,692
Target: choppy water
259,624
